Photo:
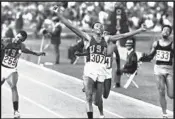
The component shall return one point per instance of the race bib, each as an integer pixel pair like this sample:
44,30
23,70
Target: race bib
10,61
97,58
108,62
162,55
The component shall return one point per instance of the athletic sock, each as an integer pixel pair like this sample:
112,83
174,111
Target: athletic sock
15,105
90,115
117,85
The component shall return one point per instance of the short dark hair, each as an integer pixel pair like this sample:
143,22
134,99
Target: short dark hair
95,23
23,33
168,27
129,42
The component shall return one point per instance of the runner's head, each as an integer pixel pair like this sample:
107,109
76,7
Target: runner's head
20,37
166,31
98,28
129,44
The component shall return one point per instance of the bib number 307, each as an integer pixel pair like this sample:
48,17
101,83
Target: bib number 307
162,55
97,58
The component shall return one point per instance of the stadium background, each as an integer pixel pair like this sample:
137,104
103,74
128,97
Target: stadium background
38,15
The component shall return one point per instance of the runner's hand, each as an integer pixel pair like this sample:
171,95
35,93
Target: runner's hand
41,54
143,27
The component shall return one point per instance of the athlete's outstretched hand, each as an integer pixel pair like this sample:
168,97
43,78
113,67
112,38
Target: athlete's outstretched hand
142,58
143,27
41,54
57,8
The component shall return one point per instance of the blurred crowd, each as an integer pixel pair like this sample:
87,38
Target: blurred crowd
117,17
35,15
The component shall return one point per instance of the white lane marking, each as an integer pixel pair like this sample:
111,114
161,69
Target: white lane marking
37,104
70,78
21,115
67,94
8,115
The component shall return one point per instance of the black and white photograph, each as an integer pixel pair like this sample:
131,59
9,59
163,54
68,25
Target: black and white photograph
67,59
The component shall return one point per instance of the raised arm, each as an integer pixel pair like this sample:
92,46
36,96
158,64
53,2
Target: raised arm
173,52
150,56
126,35
75,29
117,57
29,51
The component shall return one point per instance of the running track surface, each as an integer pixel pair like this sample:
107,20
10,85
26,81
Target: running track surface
45,93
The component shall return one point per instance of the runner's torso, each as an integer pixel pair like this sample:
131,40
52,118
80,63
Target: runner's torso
109,56
97,51
164,54
11,56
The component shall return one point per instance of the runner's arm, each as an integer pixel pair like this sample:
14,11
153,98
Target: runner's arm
117,58
173,52
29,51
126,35
75,29
78,49
150,56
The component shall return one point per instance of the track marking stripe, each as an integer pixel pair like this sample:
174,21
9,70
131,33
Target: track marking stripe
67,94
70,78
35,103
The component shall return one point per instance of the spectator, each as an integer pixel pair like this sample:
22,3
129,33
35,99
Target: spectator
19,21
56,38
40,19
78,47
7,29
118,14
131,61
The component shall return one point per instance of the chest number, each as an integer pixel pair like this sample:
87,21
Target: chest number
97,58
162,55
109,62
9,61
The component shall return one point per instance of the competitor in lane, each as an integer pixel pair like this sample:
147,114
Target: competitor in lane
12,49
163,51
111,48
95,64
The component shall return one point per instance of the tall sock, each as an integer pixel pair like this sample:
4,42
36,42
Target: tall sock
15,105
90,115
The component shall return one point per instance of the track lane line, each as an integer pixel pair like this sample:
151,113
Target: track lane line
70,78
67,94
37,104
7,108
